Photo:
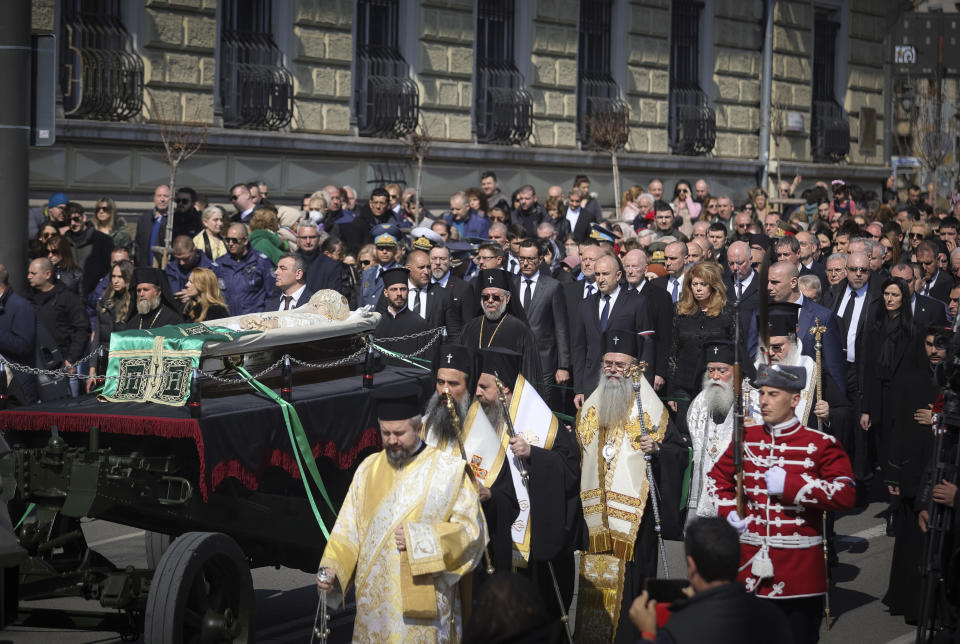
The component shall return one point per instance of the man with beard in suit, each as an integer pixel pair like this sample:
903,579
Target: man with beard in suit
397,319
432,303
543,304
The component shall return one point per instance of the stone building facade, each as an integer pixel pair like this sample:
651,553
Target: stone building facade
650,62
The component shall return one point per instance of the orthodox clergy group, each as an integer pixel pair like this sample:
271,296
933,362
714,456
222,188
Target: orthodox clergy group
480,480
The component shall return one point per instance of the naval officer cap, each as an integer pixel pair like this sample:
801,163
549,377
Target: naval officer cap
396,275
501,363
397,402
781,377
601,234
455,356
620,341
385,235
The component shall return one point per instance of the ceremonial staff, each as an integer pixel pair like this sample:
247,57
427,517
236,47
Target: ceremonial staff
817,331
525,477
455,420
737,398
635,373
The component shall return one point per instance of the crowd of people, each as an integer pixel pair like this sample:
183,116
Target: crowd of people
834,304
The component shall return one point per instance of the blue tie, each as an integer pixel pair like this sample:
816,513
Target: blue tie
605,313
673,291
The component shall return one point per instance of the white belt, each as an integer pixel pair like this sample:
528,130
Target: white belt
793,541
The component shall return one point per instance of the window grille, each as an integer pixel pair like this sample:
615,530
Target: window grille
504,109
598,95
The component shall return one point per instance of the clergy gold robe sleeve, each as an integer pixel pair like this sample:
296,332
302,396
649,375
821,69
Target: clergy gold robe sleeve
342,551
454,546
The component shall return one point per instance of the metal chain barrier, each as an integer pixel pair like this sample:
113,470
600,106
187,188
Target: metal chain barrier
353,357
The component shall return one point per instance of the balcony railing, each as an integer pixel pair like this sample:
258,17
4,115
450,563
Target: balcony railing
504,107
829,132
256,91
692,123
100,76
602,114
387,100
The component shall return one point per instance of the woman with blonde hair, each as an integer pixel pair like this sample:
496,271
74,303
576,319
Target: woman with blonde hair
204,300
113,309
208,240
702,316
264,236
761,202
105,220
629,202
367,257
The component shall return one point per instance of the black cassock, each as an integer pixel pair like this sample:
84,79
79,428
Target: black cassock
508,332
406,322
909,453
153,319
555,517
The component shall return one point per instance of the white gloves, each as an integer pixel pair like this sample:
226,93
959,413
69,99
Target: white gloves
776,476
740,525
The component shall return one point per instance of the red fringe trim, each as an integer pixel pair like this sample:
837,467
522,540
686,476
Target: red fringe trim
113,424
370,437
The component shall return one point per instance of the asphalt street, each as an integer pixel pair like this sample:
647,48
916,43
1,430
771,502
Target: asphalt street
286,599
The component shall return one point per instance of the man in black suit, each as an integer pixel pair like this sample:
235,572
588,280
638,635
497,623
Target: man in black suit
579,218
791,249
936,283
431,302
150,226
462,292
530,213
659,311
291,281
927,311
542,300
243,201
738,258
675,263
612,307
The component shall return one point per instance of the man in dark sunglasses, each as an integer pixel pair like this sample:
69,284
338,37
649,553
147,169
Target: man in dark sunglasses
246,276
91,248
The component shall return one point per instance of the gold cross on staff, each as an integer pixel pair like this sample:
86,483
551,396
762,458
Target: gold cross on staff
817,330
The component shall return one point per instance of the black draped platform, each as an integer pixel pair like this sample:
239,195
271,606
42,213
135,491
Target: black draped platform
238,436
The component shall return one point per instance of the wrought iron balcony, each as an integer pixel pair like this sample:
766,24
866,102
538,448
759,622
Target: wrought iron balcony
504,107
256,91
100,76
829,132
387,101
693,123
603,117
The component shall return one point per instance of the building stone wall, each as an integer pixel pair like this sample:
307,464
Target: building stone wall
865,75
648,76
738,61
321,51
792,76
445,68
552,79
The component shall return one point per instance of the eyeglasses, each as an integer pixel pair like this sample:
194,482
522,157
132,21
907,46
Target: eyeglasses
366,262
235,240
491,297
76,218
234,197
777,348
858,269
915,235
528,260
103,209
182,201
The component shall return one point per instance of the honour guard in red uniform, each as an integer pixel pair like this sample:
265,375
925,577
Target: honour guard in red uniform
791,475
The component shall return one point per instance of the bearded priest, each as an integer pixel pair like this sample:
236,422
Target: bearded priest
409,529
710,422
615,492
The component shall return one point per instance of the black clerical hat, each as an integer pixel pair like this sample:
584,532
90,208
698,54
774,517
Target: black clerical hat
782,318
493,277
621,341
504,364
397,275
148,275
455,356
397,402
718,351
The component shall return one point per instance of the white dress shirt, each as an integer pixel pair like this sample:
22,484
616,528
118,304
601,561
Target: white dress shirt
295,301
855,319
524,286
573,216
613,301
411,298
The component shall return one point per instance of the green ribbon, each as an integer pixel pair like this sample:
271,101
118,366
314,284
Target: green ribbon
301,448
25,515
400,356
685,489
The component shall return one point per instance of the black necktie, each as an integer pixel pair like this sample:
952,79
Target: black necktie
528,294
847,316
605,313
589,290
416,301
286,302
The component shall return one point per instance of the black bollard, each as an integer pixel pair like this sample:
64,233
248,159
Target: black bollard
368,366
194,401
286,381
101,366
3,385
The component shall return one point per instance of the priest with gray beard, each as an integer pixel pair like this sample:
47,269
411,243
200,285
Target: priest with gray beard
710,421
154,304
503,324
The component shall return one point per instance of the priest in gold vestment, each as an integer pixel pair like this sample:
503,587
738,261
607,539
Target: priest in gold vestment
409,529
622,548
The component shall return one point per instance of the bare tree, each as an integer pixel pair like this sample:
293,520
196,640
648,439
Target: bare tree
934,133
608,130
181,140
418,143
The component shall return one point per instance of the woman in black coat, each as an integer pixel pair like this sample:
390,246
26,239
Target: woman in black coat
113,309
702,316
